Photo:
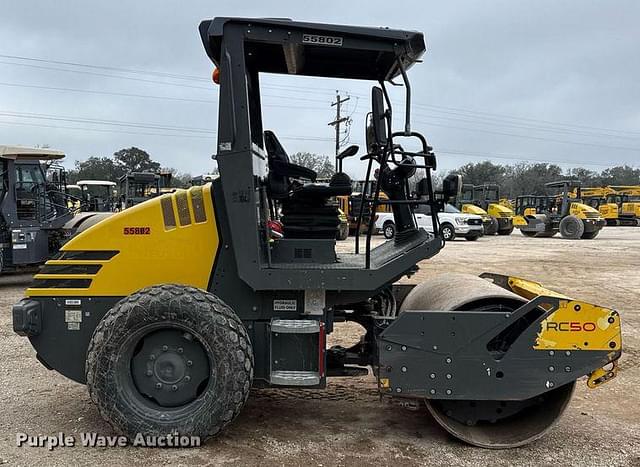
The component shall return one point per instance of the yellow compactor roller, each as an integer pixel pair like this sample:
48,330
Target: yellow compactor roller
484,200
545,216
173,309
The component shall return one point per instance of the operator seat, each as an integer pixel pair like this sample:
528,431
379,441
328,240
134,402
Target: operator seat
306,210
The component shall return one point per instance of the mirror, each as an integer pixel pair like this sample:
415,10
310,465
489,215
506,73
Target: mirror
422,188
452,186
378,116
369,137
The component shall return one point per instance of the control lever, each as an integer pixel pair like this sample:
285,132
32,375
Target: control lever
349,152
393,183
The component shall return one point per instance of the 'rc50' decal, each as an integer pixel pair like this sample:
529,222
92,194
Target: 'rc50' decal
570,326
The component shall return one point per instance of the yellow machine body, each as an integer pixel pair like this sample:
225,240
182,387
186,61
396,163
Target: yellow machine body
519,221
476,210
171,239
583,211
499,211
609,211
630,209
507,203
574,326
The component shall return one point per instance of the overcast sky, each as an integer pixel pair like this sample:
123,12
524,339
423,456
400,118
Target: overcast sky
502,80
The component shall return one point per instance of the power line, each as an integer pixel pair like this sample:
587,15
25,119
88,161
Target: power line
493,121
204,101
468,116
294,88
131,78
176,135
537,138
110,68
304,89
104,130
457,152
142,96
504,116
64,118
521,157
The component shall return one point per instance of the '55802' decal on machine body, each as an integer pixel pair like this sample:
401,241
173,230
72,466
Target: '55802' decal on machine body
136,230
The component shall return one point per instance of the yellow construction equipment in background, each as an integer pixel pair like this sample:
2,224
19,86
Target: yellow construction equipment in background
484,201
545,216
599,198
628,202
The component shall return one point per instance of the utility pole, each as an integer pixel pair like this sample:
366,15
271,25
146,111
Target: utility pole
336,123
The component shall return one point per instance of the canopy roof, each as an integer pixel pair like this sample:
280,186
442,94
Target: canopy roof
27,153
562,183
140,177
314,49
205,177
96,182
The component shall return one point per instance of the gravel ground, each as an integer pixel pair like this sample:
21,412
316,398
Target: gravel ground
347,424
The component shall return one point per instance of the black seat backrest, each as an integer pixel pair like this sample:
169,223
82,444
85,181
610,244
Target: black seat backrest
274,149
281,169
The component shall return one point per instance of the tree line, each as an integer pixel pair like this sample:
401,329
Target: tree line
513,179
134,159
125,160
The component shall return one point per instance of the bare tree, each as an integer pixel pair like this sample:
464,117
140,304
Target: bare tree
322,165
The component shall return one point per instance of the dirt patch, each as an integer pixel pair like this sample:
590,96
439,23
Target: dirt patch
347,424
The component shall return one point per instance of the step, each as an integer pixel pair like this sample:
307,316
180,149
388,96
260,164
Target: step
295,378
295,326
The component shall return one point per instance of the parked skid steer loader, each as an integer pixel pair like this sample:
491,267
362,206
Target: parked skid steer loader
171,310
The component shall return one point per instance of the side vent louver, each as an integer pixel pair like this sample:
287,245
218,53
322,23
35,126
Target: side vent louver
167,213
197,200
184,215
188,212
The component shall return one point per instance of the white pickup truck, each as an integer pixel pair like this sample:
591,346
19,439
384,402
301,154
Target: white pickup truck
453,223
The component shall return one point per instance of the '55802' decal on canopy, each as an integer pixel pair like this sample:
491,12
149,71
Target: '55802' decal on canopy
322,40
